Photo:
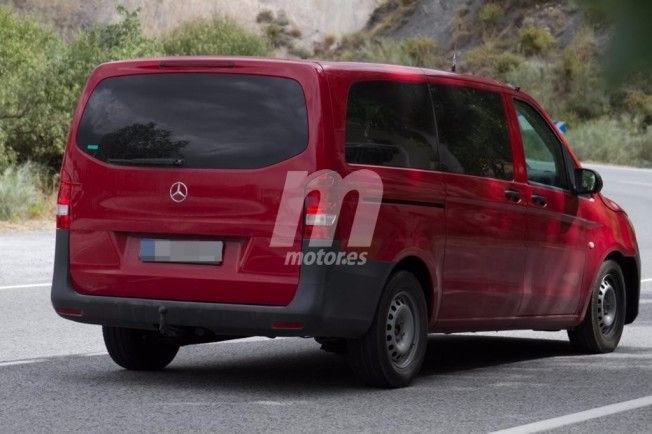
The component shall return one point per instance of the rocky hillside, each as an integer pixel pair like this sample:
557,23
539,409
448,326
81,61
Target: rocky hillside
312,18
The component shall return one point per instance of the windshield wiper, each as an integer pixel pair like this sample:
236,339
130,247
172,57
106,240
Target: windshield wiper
171,162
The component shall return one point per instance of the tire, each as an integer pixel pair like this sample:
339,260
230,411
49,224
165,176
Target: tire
138,350
384,359
602,327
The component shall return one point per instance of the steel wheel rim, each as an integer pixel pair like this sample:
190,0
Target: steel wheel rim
607,304
401,331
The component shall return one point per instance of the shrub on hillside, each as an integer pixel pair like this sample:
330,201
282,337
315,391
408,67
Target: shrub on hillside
613,140
23,192
489,15
51,75
506,62
491,60
42,77
423,50
214,36
537,78
580,78
26,51
416,51
533,40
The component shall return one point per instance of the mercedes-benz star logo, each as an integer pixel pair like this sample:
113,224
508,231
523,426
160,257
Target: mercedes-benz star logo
178,192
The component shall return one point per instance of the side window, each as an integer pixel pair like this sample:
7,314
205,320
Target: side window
390,124
543,152
472,130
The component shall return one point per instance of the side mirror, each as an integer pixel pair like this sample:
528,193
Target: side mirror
587,181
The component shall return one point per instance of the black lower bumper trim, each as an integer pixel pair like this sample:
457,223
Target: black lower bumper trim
333,301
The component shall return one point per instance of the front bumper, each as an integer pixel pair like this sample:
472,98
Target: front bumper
330,301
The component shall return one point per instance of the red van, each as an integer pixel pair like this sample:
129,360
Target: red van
196,204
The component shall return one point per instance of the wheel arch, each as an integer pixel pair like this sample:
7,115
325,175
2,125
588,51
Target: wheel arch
418,267
630,268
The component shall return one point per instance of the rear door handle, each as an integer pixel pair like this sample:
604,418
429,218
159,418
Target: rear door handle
537,199
513,195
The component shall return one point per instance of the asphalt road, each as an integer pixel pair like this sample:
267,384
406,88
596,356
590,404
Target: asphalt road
56,376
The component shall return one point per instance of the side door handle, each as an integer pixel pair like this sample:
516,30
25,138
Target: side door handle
537,199
513,195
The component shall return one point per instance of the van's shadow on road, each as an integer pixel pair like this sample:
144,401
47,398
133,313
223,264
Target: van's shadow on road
303,367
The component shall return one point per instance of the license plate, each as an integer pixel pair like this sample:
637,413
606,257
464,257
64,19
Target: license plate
181,251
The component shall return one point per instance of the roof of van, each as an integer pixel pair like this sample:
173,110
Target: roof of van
400,69
328,66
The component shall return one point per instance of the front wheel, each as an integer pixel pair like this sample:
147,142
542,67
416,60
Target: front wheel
390,354
602,327
138,350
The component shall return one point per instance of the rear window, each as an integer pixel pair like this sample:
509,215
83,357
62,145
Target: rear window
390,124
195,120
472,132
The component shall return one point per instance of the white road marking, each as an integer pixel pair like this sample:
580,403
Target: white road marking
614,167
251,339
645,302
30,285
643,184
47,359
99,353
272,403
582,416
646,280
22,362
104,353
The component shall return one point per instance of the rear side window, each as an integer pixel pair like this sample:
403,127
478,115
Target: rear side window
472,132
390,124
195,120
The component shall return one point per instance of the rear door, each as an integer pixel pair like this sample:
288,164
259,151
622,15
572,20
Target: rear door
485,214
555,232
188,154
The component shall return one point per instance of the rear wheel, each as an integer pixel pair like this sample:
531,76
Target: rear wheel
390,354
602,327
138,350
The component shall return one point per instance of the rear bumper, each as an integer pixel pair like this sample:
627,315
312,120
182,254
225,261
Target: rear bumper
332,301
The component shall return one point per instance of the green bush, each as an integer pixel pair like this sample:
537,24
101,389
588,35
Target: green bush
265,16
507,61
423,50
480,60
41,76
275,34
580,79
52,75
535,76
613,140
416,51
491,60
489,15
26,50
214,36
533,40
23,192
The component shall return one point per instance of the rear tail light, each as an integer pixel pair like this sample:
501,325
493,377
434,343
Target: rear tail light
321,213
63,202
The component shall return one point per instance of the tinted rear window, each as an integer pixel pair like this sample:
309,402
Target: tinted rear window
472,132
390,124
195,120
